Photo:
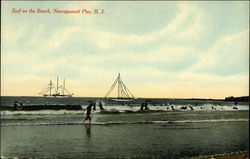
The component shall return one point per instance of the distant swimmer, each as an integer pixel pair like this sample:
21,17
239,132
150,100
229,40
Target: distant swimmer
19,107
94,106
146,106
88,113
15,105
183,107
142,106
191,107
100,106
172,107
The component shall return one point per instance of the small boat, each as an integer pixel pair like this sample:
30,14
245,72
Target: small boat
123,93
122,99
56,91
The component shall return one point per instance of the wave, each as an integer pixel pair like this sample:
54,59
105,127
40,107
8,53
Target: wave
121,123
34,107
42,112
120,109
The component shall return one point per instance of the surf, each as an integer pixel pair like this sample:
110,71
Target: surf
120,123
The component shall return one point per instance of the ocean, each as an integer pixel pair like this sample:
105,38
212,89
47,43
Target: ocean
171,128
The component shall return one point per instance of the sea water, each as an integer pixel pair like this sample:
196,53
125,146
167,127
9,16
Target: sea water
122,131
169,140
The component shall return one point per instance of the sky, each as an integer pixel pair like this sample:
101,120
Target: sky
175,49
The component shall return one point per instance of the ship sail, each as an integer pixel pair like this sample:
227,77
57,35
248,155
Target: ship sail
56,91
123,93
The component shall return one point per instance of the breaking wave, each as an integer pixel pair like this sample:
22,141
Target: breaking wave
130,109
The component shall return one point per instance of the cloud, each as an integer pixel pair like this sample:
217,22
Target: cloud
228,56
174,30
12,33
35,36
166,57
60,37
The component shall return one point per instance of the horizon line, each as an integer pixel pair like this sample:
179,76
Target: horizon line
194,98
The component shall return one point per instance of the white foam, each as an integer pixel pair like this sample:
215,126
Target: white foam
125,108
42,112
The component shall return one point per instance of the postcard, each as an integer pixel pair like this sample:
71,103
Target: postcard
124,79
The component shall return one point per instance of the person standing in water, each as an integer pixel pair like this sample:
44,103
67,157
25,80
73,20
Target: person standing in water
100,106
142,106
146,105
94,106
88,113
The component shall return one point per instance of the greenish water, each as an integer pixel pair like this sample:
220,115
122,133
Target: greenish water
127,133
124,118
173,116
169,140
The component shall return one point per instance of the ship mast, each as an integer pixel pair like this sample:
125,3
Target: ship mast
122,91
50,87
57,85
119,86
58,90
63,87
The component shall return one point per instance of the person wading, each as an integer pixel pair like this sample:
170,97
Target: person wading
100,106
88,113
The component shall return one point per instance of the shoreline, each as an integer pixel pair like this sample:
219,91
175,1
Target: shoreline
232,155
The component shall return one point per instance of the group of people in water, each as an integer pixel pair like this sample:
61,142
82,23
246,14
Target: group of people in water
92,105
144,106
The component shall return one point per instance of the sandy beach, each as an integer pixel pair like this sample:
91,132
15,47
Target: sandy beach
239,155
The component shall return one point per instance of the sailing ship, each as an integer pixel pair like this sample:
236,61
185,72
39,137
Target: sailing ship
56,91
123,93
